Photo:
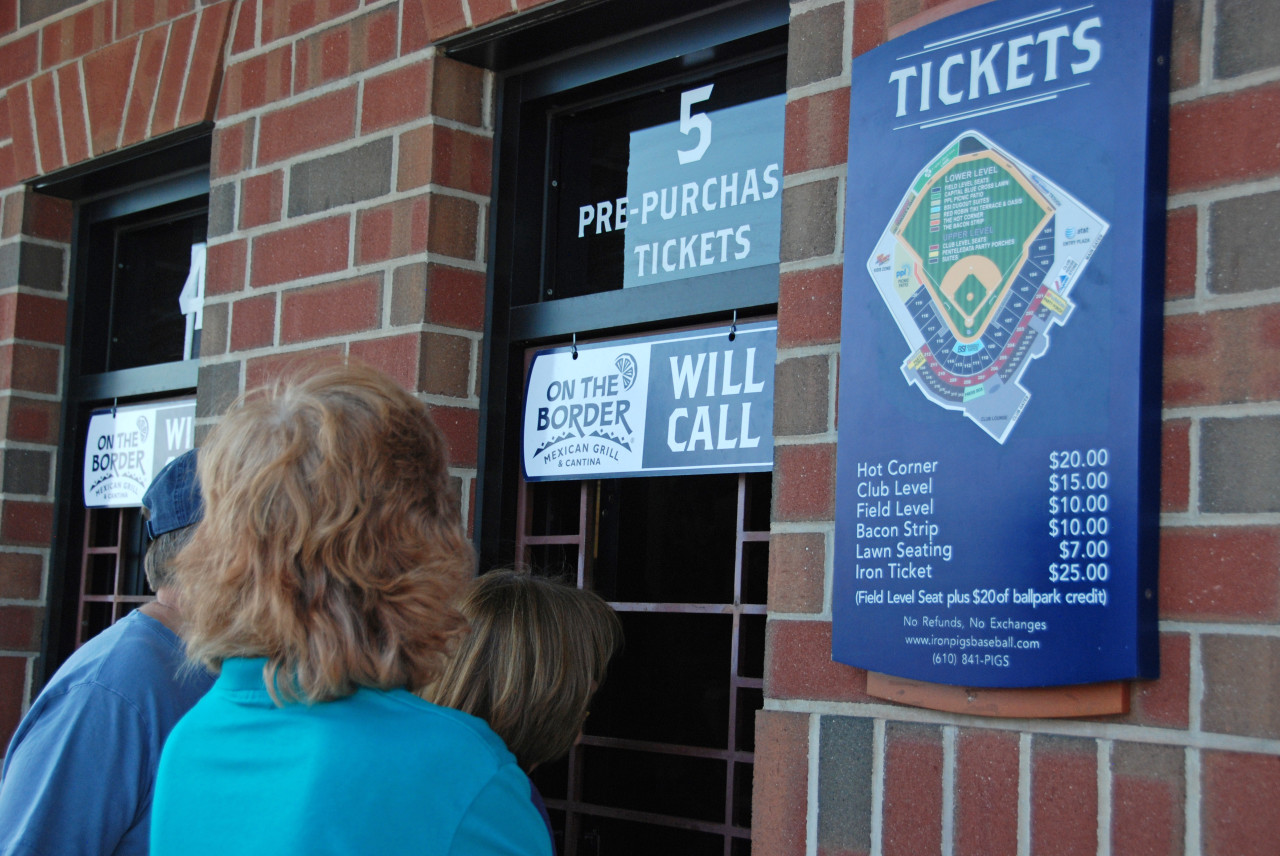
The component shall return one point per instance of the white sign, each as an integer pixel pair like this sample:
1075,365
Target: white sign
126,446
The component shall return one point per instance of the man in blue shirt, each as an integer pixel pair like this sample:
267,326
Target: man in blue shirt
80,770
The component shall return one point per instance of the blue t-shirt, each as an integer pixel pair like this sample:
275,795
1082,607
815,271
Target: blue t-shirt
80,772
376,772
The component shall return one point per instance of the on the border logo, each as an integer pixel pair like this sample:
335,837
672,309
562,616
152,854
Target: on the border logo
586,419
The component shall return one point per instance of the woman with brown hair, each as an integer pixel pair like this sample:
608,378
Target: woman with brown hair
536,654
319,587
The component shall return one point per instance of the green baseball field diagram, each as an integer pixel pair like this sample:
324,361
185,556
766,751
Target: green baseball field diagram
976,267
970,228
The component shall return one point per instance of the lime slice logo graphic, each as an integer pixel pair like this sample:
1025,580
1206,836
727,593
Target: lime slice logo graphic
626,366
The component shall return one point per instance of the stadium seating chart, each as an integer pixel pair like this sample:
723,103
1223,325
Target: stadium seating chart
976,267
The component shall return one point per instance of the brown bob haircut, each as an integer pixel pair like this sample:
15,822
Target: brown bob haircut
331,543
537,652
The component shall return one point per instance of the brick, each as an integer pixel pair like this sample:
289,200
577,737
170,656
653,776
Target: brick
986,786
815,45
76,35
797,562
204,71
225,267
281,18
106,78
19,60
32,420
321,121
28,524
455,297
173,76
798,664
232,148
257,81
262,199
141,15
75,132
354,175
48,133
1241,674
396,97
33,318
13,686
1240,464
30,368
1180,254
781,783
1147,798
213,338
1237,264
1222,574
21,576
394,230
262,370
23,150
488,11
1175,465
253,322
1184,65
445,365
146,80
301,251
809,307
1245,37
245,34
809,220
1224,357
817,132
446,156
1239,795
28,471
804,482
844,785
461,428
1165,702
458,92
452,227
217,385
33,265
912,822
801,396
409,294
1064,796
870,25
427,21
331,309
222,209
395,355
1223,139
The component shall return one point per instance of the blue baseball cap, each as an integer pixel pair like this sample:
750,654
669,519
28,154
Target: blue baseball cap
174,496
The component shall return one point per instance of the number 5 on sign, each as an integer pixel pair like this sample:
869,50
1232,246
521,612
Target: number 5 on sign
690,122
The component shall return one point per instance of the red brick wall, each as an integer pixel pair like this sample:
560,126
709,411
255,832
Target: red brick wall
350,182
1192,767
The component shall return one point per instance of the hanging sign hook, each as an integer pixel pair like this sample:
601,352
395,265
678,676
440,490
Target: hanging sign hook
733,328
575,346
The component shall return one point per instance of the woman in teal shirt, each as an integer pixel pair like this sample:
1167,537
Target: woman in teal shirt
318,585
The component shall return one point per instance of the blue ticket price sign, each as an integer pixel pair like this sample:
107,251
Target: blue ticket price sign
998,449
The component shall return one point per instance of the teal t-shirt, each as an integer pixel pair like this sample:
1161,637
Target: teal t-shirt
376,772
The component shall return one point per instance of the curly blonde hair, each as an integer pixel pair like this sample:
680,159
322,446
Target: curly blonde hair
537,652
331,543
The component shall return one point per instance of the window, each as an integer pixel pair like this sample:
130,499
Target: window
138,264
667,756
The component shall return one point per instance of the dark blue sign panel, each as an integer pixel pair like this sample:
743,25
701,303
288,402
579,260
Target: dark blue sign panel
680,403
998,457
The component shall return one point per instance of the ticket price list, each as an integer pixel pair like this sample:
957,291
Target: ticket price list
896,537
1078,521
